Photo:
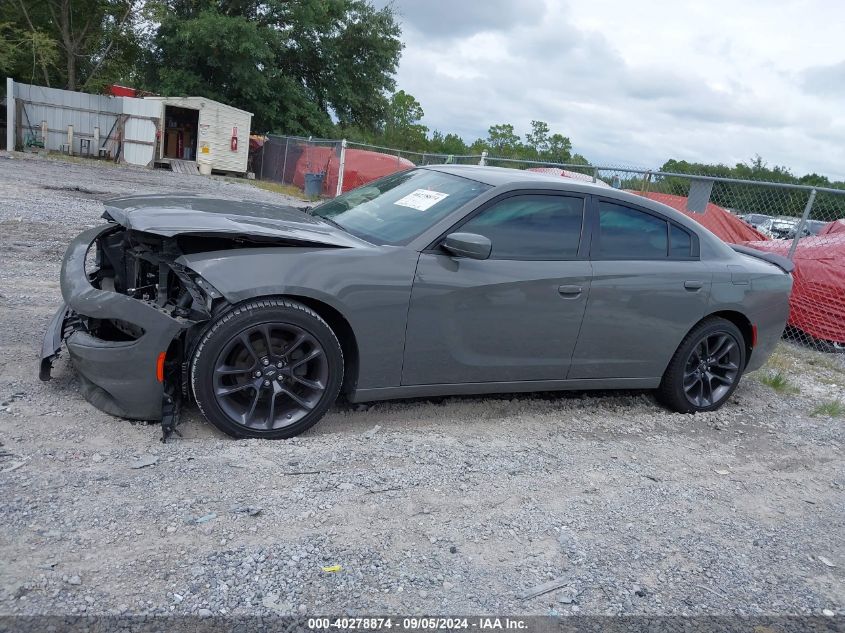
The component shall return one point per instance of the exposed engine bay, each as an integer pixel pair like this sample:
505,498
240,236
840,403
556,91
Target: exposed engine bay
144,267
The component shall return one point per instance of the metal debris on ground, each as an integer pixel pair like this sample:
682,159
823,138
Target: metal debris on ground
545,588
144,461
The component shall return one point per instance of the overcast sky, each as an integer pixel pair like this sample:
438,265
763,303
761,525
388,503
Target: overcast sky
638,83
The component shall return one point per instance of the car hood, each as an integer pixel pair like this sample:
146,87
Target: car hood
171,215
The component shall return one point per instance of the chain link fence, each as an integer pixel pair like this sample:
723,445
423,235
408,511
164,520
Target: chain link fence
801,222
326,168
418,158
314,166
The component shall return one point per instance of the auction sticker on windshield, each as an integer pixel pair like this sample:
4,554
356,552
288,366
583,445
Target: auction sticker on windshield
421,199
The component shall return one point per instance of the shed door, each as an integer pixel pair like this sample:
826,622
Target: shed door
139,130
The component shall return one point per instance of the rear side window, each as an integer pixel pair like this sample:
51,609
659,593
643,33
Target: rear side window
680,242
626,233
532,227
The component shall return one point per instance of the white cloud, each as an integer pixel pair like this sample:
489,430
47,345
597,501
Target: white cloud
638,83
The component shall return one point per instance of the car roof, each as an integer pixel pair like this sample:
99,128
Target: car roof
496,176
500,176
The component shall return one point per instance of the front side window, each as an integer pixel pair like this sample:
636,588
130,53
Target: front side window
532,227
626,233
400,207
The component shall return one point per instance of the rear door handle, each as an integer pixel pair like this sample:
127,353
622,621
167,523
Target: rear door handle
693,285
570,291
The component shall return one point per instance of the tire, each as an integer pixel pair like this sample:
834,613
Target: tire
267,368
706,368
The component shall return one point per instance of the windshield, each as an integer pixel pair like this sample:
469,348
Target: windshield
399,207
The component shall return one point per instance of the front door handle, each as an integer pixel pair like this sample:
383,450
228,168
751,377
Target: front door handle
693,285
570,291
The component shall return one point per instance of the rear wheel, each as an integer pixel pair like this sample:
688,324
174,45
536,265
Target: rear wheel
705,369
269,369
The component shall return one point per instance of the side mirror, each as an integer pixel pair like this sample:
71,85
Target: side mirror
469,245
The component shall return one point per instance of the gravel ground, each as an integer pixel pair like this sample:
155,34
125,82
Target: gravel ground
454,506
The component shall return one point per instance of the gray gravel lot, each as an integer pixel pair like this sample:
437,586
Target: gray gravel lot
454,506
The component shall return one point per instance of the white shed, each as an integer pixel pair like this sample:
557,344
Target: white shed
205,131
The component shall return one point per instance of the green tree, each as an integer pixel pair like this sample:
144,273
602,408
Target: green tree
449,144
26,54
502,142
293,64
75,44
402,127
559,149
478,146
537,140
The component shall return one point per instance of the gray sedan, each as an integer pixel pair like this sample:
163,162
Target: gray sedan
434,281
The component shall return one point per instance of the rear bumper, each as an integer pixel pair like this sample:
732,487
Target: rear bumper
118,377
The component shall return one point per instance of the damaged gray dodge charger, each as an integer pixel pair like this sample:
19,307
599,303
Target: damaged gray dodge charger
434,281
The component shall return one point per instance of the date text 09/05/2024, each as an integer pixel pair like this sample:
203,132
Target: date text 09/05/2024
417,623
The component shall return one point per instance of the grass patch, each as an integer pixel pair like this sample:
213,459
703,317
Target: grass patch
830,409
275,187
778,381
826,363
781,361
84,160
811,357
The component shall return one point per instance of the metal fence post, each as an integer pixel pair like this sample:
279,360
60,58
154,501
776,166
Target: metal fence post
263,147
341,168
10,115
595,174
802,223
285,161
483,160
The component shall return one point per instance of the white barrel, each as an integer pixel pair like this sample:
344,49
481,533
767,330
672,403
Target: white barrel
204,160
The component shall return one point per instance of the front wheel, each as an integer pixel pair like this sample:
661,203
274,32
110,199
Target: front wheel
705,369
268,368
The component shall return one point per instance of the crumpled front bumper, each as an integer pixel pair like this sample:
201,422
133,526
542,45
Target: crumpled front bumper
118,377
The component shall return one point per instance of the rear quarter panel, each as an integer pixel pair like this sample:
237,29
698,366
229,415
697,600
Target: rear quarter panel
758,290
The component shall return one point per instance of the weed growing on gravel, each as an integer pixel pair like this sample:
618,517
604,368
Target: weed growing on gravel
275,187
830,409
782,360
83,160
778,381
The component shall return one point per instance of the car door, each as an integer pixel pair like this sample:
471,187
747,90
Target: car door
648,289
511,317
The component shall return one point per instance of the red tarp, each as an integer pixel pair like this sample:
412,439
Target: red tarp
360,167
817,304
721,222
837,226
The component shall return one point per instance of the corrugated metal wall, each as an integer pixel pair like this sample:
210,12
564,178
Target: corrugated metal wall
134,121
61,108
85,112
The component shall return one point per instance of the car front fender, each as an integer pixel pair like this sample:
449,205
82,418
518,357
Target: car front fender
370,287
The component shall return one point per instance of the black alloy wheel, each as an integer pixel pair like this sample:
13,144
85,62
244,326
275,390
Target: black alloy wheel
706,367
270,375
268,368
712,368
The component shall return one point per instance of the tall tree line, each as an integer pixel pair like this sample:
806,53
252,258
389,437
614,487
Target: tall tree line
308,67
301,66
